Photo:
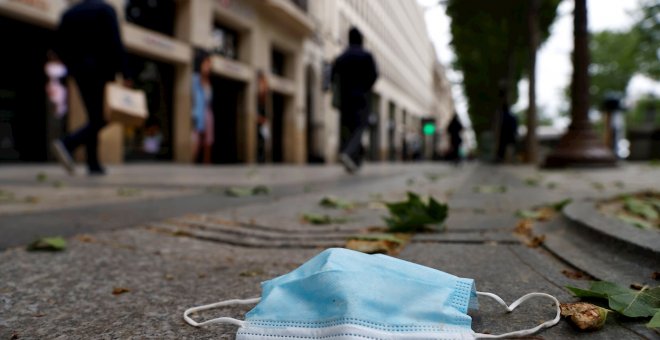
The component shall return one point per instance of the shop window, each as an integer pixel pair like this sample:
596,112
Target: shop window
278,62
225,41
156,15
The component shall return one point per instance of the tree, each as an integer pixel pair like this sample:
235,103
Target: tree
491,45
580,145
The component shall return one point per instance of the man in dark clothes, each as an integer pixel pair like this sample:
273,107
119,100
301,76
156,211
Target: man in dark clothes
355,73
508,132
89,44
454,131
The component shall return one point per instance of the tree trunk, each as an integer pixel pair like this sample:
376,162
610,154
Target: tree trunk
530,139
580,146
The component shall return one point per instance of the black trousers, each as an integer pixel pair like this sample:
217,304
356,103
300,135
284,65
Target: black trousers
354,121
91,86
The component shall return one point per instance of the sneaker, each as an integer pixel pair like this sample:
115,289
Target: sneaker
63,156
348,163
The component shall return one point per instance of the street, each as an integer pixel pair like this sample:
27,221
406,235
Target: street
149,241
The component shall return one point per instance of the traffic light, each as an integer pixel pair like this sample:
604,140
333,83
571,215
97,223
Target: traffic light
428,126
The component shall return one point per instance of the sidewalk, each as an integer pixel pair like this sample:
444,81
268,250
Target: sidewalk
187,258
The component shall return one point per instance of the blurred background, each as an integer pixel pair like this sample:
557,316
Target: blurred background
436,58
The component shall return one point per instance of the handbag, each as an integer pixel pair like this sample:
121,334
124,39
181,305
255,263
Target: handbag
125,105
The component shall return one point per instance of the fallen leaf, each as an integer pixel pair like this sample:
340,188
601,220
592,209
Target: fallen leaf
169,277
535,241
641,208
532,181
433,176
559,206
584,316
7,197
119,290
655,321
251,273
85,238
575,275
490,189
31,199
598,186
635,221
524,227
245,191
321,219
414,215
128,192
335,203
619,184
383,243
56,243
628,302
42,177
183,233
410,181
551,185
14,336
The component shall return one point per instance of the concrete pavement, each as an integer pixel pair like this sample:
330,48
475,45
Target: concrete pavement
178,241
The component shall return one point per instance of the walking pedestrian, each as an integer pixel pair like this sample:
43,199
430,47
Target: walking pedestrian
508,134
202,108
89,44
454,130
354,73
263,106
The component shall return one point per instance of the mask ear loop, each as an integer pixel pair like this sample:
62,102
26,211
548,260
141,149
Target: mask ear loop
513,306
227,320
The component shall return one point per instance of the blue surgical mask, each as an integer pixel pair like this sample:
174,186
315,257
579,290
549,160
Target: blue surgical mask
343,294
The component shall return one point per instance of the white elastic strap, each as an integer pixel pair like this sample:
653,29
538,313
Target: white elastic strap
228,320
513,306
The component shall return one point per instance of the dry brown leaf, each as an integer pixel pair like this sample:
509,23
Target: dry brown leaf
535,241
373,247
575,275
546,213
524,227
584,316
85,238
636,286
119,290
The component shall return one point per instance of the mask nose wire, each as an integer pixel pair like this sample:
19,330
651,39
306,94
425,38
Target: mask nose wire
513,306
227,320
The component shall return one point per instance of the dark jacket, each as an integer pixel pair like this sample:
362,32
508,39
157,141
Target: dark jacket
88,40
356,71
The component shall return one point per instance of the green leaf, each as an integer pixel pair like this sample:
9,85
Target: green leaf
640,208
626,301
532,181
335,203
414,215
260,190
633,304
41,177
245,191
530,214
655,321
128,192
559,206
322,219
56,243
635,221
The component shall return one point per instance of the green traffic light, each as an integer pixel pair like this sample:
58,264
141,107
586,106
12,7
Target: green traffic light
429,129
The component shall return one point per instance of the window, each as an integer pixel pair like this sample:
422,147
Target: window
277,62
225,41
156,15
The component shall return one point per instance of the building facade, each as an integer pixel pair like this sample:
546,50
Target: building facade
292,42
